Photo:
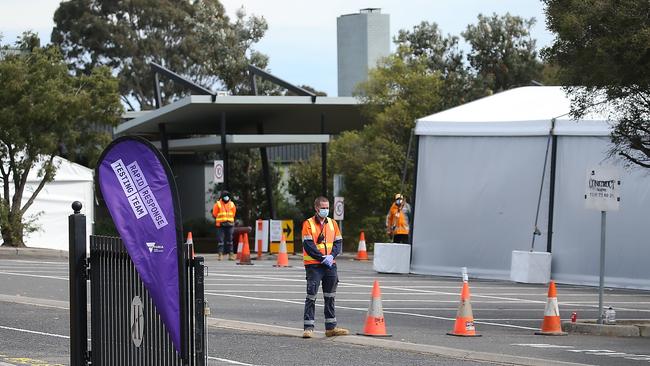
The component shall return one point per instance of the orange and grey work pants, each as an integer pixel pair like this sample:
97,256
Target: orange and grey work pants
315,275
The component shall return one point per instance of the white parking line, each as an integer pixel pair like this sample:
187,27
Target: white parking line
37,276
233,362
364,309
34,332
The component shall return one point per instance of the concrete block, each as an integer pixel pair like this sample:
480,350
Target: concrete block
644,330
602,330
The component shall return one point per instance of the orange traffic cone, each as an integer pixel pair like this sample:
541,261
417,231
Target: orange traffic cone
552,325
283,257
190,242
375,324
240,245
362,254
464,325
245,252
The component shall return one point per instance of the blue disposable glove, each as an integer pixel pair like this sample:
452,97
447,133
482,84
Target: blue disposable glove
328,261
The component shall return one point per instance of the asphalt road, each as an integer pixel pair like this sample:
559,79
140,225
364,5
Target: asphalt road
418,309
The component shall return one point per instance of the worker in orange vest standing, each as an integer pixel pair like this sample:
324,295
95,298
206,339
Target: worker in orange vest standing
224,214
321,243
397,220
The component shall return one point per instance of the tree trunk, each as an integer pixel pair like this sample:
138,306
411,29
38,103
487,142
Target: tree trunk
12,234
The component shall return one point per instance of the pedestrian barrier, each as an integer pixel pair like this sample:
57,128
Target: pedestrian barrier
551,325
464,324
375,325
283,257
362,254
245,258
125,325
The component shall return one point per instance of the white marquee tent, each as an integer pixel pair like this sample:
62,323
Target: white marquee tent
479,175
72,182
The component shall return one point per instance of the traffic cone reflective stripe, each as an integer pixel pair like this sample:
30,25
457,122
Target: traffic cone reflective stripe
246,252
375,325
464,325
362,254
552,324
240,245
283,257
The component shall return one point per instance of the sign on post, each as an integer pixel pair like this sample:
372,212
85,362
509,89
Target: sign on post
218,171
602,189
339,208
602,194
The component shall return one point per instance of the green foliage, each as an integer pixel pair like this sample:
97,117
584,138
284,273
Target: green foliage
193,38
247,186
503,52
602,46
305,184
43,111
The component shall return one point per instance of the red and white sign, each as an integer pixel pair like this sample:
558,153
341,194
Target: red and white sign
339,208
218,171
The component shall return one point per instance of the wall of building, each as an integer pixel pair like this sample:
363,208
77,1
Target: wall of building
362,39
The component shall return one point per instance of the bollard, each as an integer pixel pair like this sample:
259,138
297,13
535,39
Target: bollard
78,297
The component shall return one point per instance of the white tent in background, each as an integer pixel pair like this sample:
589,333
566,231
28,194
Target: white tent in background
72,182
479,174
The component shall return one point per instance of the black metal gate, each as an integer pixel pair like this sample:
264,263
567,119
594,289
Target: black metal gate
126,328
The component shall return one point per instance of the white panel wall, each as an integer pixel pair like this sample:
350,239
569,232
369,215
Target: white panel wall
476,203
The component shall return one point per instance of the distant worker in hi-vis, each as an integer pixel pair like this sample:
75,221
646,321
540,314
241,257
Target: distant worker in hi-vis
397,220
321,243
224,214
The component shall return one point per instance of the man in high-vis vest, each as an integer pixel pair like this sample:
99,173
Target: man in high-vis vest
224,214
321,243
397,220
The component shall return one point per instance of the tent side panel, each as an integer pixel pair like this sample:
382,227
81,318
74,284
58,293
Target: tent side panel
576,244
476,203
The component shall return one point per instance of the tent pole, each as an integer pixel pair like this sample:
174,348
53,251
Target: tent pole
551,198
415,189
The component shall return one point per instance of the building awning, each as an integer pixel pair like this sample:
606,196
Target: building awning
213,143
283,115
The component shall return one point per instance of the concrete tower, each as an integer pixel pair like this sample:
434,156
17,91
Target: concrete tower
362,39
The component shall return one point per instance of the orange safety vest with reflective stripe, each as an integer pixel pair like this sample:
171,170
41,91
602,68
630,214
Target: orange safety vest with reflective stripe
224,212
398,217
311,229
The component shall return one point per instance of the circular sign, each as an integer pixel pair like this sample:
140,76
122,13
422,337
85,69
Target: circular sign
137,321
339,209
218,171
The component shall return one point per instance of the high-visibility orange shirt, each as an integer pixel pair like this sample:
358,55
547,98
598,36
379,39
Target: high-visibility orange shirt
398,217
224,212
311,230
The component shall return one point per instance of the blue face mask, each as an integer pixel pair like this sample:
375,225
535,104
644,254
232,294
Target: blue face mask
226,199
323,212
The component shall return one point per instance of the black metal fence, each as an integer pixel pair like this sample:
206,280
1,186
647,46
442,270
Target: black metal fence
125,326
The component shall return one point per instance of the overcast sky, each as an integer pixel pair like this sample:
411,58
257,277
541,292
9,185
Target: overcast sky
301,40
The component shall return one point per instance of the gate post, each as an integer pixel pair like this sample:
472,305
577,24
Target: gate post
200,325
77,276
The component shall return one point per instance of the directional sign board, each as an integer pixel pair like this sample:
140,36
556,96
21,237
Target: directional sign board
218,171
602,189
339,208
277,228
